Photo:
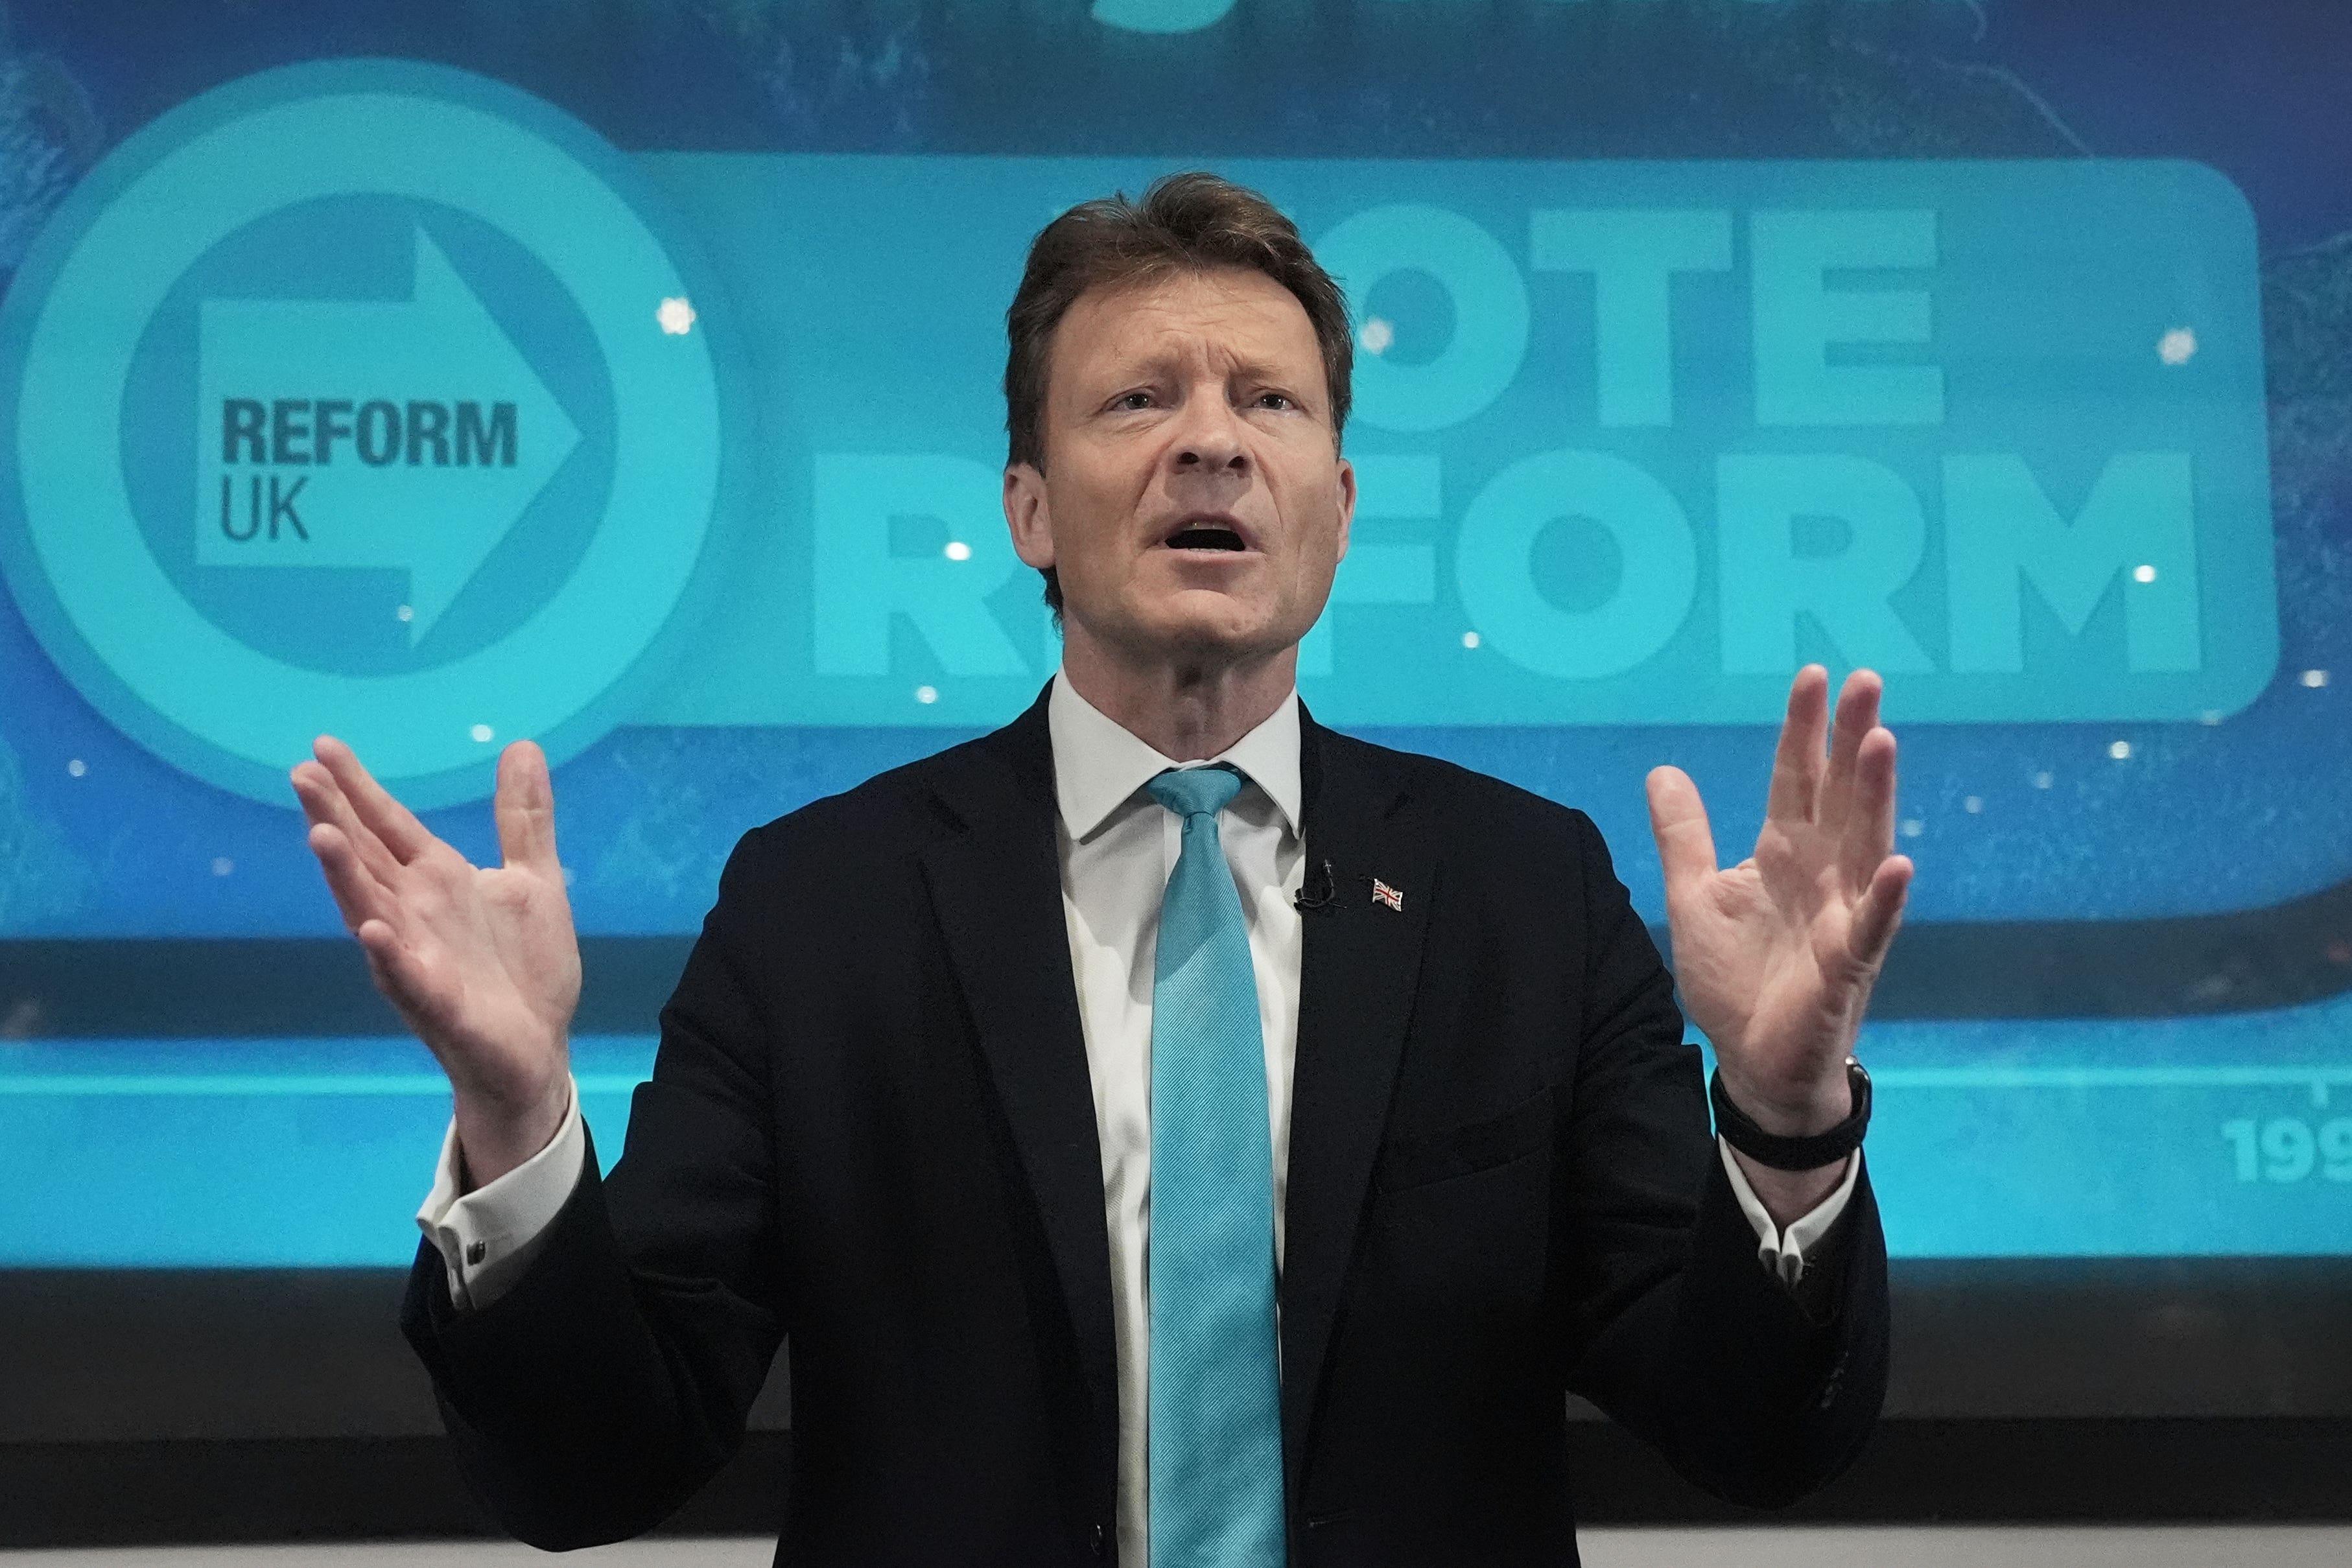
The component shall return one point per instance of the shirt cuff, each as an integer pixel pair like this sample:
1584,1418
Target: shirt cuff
1783,1252
486,1238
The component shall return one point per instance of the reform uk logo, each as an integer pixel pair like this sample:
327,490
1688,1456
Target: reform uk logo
361,397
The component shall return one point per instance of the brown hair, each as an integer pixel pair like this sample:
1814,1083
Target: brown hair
1185,223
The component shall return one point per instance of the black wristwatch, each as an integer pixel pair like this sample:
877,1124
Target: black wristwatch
1793,1153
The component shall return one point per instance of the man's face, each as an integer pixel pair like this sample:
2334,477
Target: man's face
1193,503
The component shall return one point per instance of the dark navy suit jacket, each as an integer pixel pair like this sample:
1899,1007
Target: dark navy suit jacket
869,1129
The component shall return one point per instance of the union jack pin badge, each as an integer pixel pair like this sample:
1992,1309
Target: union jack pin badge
1383,893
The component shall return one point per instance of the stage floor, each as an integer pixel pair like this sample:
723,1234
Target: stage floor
2256,1546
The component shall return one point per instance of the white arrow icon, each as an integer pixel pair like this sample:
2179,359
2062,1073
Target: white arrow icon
409,435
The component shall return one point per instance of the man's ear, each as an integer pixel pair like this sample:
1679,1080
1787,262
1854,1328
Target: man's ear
1347,505
1028,514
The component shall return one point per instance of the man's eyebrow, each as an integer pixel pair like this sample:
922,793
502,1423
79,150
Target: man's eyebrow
1258,370
1160,361
1151,362
1163,360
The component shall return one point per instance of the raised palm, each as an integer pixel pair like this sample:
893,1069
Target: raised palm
1776,956
481,961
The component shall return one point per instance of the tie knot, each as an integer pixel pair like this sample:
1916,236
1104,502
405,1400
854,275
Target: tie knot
1196,792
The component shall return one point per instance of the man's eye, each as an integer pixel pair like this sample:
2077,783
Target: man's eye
1133,399
1275,400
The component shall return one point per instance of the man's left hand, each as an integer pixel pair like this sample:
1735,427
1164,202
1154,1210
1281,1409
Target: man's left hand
1776,956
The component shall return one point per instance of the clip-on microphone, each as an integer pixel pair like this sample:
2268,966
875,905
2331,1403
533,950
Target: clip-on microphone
1316,904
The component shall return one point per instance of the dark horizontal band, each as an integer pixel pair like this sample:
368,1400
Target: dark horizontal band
2243,961
66,1495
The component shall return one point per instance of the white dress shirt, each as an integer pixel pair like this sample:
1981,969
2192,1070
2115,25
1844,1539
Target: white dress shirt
1119,846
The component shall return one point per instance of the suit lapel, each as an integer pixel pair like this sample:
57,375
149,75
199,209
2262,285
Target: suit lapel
1357,979
997,888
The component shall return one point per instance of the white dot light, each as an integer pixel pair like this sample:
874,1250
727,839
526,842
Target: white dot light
1913,827
482,734
2120,750
2315,679
223,865
77,767
2177,347
1973,804
1469,639
1377,335
2212,716
405,612
676,316
958,550
2143,574
2041,781
927,695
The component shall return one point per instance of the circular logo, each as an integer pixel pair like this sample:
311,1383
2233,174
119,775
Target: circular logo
359,398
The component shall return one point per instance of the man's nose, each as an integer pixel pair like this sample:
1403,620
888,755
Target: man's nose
1211,439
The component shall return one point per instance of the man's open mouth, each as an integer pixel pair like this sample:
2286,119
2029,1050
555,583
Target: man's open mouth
1205,537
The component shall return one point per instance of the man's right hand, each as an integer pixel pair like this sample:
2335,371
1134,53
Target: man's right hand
482,962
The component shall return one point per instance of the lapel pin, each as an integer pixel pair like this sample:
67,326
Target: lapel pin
1383,893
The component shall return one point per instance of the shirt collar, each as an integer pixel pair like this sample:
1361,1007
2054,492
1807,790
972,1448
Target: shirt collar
1099,764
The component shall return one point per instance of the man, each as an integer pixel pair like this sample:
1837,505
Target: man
1163,1127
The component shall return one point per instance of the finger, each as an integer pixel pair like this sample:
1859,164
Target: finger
323,803
1866,837
1796,763
1678,822
397,971
1880,912
526,808
359,897
386,818
1857,715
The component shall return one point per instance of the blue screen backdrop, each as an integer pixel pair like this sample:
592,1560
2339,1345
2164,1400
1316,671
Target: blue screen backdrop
626,377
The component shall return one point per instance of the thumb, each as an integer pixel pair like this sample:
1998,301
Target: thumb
1678,822
526,808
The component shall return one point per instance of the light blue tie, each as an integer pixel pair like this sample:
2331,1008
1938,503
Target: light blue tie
1216,1405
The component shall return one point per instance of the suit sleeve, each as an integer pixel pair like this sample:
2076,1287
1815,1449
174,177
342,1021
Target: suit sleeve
1754,1392
611,1379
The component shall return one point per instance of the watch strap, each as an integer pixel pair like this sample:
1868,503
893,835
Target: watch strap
1805,1154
